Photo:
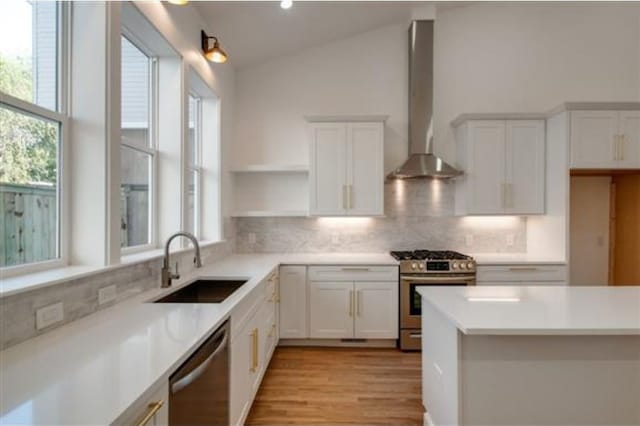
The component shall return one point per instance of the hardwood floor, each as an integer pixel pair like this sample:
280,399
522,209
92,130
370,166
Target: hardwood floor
339,386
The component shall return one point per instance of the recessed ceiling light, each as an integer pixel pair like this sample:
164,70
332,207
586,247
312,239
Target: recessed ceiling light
286,4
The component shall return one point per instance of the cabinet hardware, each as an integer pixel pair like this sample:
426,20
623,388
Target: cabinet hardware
272,331
350,303
153,409
504,195
523,269
359,302
344,197
254,350
355,269
622,143
349,197
616,148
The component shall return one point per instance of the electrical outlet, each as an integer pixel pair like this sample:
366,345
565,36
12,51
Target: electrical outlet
511,240
49,315
335,238
252,237
106,294
468,240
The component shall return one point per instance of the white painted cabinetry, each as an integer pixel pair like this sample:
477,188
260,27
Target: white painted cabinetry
521,274
504,166
605,139
293,302
152,410
353,302
253,340
346,169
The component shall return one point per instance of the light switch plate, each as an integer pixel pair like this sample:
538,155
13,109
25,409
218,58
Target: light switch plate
107,294
252,237
49,315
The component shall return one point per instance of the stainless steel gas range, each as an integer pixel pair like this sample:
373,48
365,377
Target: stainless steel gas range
427,268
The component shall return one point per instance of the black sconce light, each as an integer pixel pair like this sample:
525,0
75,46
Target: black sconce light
213,53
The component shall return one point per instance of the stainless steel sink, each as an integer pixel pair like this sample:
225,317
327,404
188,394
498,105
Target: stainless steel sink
203,291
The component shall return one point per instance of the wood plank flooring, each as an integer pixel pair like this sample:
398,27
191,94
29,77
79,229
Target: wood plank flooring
339,386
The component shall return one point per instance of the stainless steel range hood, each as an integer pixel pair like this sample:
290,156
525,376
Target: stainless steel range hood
422,163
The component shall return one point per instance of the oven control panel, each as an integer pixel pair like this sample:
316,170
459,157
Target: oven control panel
451,266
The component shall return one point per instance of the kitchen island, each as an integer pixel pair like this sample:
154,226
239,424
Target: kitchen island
531,355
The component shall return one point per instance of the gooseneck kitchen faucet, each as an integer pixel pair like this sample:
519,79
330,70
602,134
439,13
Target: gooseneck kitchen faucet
167,275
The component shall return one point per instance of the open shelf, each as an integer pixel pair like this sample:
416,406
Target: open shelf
272,168
271,213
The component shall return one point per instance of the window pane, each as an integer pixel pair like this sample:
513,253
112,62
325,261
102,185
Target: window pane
134,193
28,188
193,125
136,77
192,203
29,51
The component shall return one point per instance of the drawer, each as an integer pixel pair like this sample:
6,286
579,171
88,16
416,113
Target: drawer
245,309
521,272
353,273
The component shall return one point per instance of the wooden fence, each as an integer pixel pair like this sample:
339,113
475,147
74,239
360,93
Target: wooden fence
28,223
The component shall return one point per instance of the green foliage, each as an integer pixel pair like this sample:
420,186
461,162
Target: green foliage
28,146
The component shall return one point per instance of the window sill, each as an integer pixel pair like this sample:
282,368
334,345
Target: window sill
33,281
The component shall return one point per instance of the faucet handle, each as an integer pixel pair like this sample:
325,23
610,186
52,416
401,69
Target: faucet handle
177,273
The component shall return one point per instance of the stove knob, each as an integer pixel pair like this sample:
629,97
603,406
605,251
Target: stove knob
470,265
463,265
454,265
413,266
420,266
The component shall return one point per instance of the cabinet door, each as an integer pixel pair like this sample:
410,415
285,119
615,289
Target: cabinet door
327,176
486,171
240,377
331,310
365,169
376,310
293,302
593,139
525,167
629,130
154,409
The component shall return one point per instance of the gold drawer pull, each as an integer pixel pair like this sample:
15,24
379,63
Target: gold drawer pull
153,409
254,351
523,269
355,269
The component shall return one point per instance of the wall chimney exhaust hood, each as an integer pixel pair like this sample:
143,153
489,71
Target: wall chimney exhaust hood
422,163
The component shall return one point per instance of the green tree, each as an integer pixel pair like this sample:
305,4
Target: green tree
28,146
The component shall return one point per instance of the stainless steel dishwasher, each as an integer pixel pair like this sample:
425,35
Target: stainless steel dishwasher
199,389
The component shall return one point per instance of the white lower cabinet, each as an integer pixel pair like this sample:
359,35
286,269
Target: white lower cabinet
331,310
293,302
150,411
342,310
252,347
522,274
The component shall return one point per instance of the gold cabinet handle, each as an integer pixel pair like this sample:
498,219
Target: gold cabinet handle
254,350
504,195
523,269
344,197
349,197
350,303
358,302
346,269
622,142
152,410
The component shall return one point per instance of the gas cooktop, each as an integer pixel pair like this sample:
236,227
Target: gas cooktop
429,255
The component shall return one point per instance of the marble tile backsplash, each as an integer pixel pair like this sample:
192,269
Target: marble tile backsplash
80,296
418,214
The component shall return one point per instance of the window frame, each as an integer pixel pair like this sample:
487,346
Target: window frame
195,167
60,116
152,149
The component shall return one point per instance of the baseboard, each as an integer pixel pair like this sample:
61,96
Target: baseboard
371,343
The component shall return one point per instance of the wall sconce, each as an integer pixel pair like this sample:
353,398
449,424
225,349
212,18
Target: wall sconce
214,54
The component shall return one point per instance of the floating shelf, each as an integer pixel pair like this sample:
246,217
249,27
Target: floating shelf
272,168
271,213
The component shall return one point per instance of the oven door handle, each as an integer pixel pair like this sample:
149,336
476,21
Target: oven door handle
437,279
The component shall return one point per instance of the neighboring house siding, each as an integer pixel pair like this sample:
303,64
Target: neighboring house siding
45,53
135,87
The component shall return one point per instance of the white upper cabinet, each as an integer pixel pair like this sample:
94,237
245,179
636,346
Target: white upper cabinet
504,166
605,139
346,169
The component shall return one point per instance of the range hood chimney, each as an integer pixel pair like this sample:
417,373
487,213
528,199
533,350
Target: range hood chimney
422,163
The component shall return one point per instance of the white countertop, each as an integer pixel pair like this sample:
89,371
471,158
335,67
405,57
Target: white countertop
538,310
91,370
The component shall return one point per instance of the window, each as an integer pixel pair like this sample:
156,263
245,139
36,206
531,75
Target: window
138,148
32,132
194,166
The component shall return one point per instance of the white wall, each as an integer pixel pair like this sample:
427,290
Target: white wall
502,57
489,57
366,74
590,230
181,26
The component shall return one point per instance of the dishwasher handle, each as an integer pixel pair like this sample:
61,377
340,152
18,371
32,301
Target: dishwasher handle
186,380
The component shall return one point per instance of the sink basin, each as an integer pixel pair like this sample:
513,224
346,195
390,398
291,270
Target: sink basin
203,291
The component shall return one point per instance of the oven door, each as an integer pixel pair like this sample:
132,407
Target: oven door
411,301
